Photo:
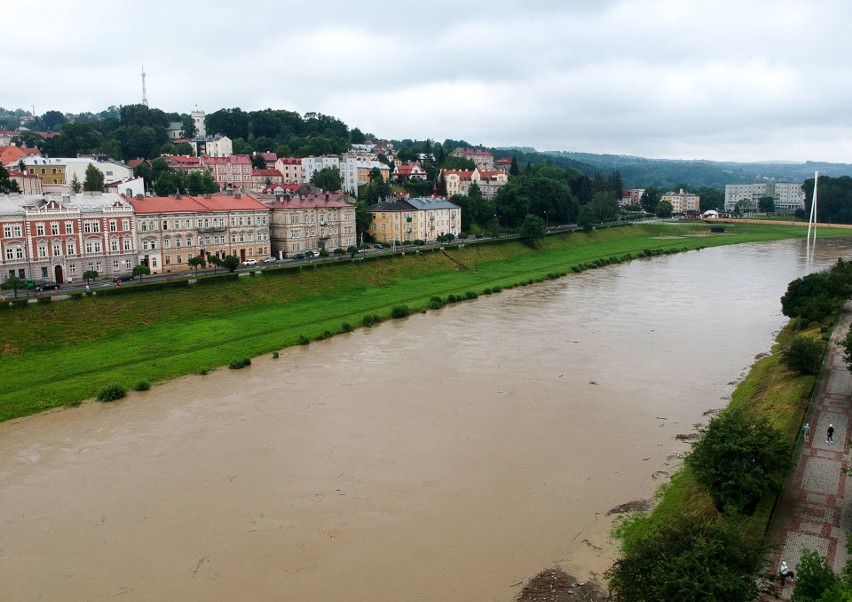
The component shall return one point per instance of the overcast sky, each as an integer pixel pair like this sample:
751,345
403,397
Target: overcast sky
744,80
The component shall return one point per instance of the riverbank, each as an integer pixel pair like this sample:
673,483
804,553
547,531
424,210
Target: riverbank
57,354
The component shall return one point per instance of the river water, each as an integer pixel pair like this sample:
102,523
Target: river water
447,456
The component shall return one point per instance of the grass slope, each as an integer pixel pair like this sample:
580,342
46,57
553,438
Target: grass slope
60,353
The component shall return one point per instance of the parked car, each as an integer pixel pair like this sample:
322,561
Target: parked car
126,277
299,256
250,262
47,286
378,247
270,260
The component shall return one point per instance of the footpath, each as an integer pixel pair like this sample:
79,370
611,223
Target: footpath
814,512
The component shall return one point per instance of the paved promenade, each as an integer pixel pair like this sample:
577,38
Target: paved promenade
814,513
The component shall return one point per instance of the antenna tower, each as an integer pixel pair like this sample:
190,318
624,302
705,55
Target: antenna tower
144,93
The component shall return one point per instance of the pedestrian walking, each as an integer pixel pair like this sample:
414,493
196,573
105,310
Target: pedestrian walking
806,432
785,573
830,434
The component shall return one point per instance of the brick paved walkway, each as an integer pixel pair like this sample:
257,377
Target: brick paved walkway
813,514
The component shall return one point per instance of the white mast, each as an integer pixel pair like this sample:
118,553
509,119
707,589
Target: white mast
812,220
144,93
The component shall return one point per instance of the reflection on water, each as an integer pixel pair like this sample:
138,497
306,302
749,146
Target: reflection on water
447,456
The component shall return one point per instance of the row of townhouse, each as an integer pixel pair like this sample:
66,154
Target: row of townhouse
58,238
404,221
788,196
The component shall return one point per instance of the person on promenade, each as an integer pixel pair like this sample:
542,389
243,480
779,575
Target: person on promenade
785,573
806,432
830,434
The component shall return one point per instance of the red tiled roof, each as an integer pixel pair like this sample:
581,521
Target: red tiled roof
290,160
224,202
464,174
239,159
330,200
185,159
11,154
266,172
503,161
134,163
165,204
490,174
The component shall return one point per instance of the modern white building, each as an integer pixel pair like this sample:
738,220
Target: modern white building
311,165
788,196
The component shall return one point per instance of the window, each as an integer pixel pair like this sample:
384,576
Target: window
44,272
125,224
113,244
54,229
10,253
115,265
113,225
72,269
42,250
153,262
188,241
19,252
180,258
167,243
70,248
7,231
69,227
168,260
188,224
39,229
57,249
126,244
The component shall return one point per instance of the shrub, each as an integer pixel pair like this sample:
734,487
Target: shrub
487,291
326,335
20,303
400,311
346,327
814,577
142,385
451,299
370,320
44,298
275,355
303,340
803,354
111,393
739,459
76,296
436,303
497,289
239,362
471,295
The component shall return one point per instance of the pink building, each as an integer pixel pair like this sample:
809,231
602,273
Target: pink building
230,172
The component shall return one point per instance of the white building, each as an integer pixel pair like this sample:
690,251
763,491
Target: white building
212,146
311,165
113,171
788,196
198,120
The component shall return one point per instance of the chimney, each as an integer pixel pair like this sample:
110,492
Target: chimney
326,196
177,195
139,197
238,195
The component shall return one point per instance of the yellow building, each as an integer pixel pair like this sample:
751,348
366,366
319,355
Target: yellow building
51,171
405,221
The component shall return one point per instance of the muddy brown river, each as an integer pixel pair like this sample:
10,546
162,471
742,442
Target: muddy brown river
448,456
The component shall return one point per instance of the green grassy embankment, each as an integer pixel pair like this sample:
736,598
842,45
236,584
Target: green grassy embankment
60,353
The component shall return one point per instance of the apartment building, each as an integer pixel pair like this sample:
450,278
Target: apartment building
422,218
683,201
58,238
788,196
312,222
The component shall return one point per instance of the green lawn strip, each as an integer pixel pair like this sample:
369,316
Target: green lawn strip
63,352
770,390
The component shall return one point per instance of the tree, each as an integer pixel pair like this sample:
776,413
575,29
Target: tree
739,459
13,283
215,261
231,262
141,270
94,181
586,218
327,178
803,354
76,187
663,209
532,230
690,558
53,120
604,205
258,162
196,262
766,204
816,581
7,184
339,252
352,250
188,126
356,136
90,275
514,170
650,199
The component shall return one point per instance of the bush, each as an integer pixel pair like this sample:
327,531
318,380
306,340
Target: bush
239,362
44,298
803,354
451,299
436,303
739,459
471,295
76,296
487,291
142,385
346,327
400,311
690,558
20,303
326,335
275,355
303,340
369,321
111,393
814,577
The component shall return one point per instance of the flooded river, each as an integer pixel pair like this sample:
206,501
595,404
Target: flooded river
448,456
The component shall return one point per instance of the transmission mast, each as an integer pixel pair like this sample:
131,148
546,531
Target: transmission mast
144,92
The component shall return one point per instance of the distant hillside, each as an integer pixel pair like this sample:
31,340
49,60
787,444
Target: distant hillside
639,172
